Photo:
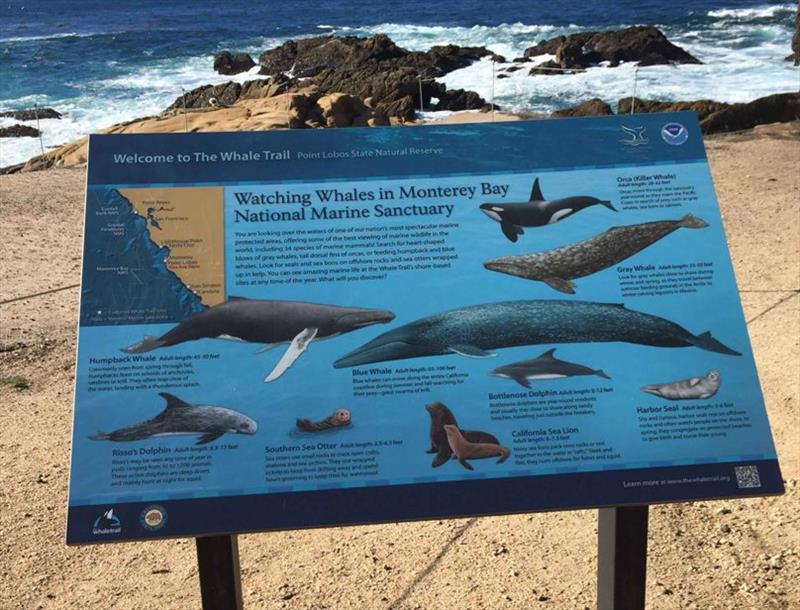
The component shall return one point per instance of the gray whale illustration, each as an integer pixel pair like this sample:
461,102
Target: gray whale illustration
537,211
268,322
473,331
687,389
558,266
181,418
545,366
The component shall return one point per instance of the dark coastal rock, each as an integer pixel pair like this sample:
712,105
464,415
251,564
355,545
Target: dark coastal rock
230,63
778,108
460,99
513,68
19,131
31,113
795,56
703,108
225,94
643,44
592,107
550,67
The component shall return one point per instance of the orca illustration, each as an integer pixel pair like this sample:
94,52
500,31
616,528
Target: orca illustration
537,211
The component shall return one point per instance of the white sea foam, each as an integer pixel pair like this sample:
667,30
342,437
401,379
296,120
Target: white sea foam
758,12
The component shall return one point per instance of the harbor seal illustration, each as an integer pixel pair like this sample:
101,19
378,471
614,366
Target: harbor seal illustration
339,418
269,322
558,266
465,450
473,331
545,366
537,211
440,417
181,418
687,389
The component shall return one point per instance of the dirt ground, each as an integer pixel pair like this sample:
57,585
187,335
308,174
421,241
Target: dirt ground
726,555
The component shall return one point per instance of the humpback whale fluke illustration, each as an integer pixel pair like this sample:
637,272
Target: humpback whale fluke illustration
476,330
537,211
270,323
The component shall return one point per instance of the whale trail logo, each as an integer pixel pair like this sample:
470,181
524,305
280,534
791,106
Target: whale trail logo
674,134
635,136
107,523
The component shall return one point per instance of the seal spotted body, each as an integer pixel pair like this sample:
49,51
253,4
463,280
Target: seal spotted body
687,389
558,266
339,418
440,417
465,450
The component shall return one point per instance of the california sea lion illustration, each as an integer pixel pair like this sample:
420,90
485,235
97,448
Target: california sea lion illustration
339,418
558,266
687,389
465,450
268,322
537,211
440,417
181,418
545,366
473,331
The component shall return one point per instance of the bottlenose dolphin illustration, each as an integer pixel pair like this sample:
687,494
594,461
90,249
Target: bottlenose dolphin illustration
268,322
537,211
545,366
559,266
181,418
473,331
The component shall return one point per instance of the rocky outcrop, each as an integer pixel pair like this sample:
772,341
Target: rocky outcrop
229,93
31,114
778,108
19,131
646,45
342,110
795,56
592,107
226,62
703,108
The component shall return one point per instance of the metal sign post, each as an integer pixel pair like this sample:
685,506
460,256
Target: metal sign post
218,568
621,558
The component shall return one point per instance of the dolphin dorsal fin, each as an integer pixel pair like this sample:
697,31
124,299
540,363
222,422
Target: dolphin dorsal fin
173,402
548,354
536,192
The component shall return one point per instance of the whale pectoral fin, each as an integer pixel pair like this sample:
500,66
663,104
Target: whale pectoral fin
230,338
510,231
523,381
465,464
145,345
267,347
298,345
470,351
536,192
560,284
441,457
209,436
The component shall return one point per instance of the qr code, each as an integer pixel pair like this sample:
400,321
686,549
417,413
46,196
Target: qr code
747,477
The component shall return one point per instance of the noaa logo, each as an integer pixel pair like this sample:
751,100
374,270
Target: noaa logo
153,517
107,523
635,135
674,134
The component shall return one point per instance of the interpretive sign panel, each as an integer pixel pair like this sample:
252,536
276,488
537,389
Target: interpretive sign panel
324,327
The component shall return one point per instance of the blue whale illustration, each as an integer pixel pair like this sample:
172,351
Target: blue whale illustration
474,331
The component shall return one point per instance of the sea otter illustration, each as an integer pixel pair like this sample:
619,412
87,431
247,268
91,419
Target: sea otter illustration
339,418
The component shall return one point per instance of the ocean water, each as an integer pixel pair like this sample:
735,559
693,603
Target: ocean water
101,62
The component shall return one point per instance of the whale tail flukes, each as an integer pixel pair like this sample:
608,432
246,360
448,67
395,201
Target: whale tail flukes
601,373
692,222
145,345
707,342
100,436
609,205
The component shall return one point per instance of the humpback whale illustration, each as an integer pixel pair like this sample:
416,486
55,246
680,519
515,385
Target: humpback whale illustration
558,266
545,366
475,330
537,212
181,418
268,322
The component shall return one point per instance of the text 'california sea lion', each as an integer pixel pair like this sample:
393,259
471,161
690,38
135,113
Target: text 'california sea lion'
473,331
558,266
181,418
687,389
537,211
267,322
465,450
545,366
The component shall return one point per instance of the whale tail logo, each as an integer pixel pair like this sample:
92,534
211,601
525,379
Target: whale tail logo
707,342
145,345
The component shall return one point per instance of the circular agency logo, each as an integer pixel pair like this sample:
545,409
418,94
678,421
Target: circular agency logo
674,134
153,517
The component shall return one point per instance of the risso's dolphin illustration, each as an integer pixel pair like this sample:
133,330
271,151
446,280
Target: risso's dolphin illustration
687,389
537,211
270,323
558,266
474,331
181,418
545,366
